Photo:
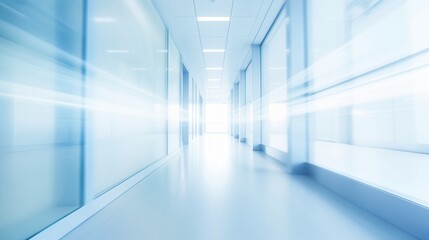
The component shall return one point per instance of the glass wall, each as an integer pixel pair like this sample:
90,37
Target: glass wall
369,67
274,87
195,112
174,86
40,114
126,90
70,83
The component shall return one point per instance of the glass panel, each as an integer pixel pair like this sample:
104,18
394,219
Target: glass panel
174,76
274,88
361,35
127,90
358,37
369,67
40,114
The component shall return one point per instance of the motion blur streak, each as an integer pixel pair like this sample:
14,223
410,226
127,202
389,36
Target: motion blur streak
67,96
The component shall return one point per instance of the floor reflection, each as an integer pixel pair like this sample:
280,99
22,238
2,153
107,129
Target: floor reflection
219,189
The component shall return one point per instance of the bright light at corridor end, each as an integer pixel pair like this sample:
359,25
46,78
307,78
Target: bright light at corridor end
216,120
213,19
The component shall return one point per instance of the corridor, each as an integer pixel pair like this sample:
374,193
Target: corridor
218,188
214,119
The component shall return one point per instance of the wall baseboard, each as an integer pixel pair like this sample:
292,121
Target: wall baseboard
403,213
65,225
274,153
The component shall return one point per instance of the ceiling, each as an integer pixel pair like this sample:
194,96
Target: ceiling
215,71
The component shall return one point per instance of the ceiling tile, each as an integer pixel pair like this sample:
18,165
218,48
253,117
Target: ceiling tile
192,44
185,26
233,54
214,74
241,26
213,42
213,29
213,59
182,7
246,8
230,62
218,8
237,43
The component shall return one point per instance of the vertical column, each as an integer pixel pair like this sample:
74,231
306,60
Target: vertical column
298,83
192,107
202,116
257,97
185,107
242,107
231,112
68,129
236,111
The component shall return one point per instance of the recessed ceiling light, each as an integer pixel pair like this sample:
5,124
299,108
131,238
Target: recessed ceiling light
213,50
214,68
213,19
213,79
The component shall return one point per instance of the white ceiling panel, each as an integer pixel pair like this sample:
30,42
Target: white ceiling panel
192,44
213,29
213,42
213,59
185,26
182,7
209,8
241,26
229,72
214,74
246,8
233,57
232,64
237,43
195,59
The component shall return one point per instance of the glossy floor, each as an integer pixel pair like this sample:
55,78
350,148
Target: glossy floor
219,189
